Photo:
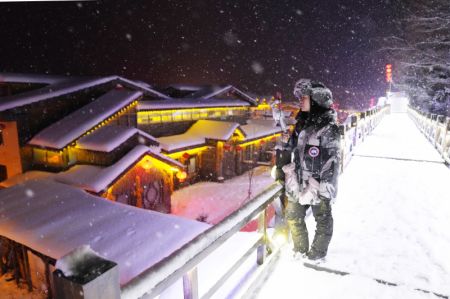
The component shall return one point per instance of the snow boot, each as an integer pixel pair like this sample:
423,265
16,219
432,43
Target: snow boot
316,257
298,256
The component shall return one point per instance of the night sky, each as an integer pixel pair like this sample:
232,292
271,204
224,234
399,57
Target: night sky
259,46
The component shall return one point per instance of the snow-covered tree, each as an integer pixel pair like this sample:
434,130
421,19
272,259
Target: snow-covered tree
420,52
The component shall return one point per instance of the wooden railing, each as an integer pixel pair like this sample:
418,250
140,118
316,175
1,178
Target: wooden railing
183,262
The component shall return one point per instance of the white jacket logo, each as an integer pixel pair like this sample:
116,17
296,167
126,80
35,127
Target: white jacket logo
313,151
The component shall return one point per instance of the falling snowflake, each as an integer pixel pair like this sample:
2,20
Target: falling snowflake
257,67
230,38
29,193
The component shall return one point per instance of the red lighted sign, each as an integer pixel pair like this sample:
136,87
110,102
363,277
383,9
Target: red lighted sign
388,72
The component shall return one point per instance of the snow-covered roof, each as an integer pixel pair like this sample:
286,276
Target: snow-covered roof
147,136
198,133
255,131
214,91
205,92
176,142
53,219
106,139
60,86
214,129
190,103
56,89
270,122
97,179
71,127
30,78
26,176
186,87
144,87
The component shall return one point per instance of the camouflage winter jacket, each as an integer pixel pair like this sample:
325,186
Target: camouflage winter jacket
315,144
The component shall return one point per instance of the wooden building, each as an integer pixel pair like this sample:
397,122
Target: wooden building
31,103
219,150
99,134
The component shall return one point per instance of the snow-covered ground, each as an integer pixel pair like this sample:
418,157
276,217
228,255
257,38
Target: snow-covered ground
391,223
214,200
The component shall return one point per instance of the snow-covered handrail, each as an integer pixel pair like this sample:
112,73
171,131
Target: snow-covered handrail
436,128
355,128
155,279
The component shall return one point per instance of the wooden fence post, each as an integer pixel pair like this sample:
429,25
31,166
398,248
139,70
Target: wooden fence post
261,251
190,284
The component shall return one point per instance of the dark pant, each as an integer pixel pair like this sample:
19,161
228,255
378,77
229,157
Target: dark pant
295,215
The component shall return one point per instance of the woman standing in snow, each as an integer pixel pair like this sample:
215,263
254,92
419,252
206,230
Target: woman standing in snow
311,177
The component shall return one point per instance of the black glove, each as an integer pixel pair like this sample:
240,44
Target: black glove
283,157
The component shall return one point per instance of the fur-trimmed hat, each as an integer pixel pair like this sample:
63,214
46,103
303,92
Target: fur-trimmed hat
316,90
302,88
322,96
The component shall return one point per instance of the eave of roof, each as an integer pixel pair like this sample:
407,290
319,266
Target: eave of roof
67,130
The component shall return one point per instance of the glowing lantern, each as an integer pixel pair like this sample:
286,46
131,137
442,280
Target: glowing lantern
238,148
273,138
226,147
181,176
186,156
146,164
54,159
388,72
263,141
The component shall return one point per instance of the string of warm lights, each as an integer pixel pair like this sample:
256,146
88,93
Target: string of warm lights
55,157
186,114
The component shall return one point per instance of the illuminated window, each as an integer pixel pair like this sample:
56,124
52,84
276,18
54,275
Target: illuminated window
39,155
154,118
239,112
44,156
151,117
249,152
195,115
177,116
53,158
143,119
191,165
166,117
187,115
